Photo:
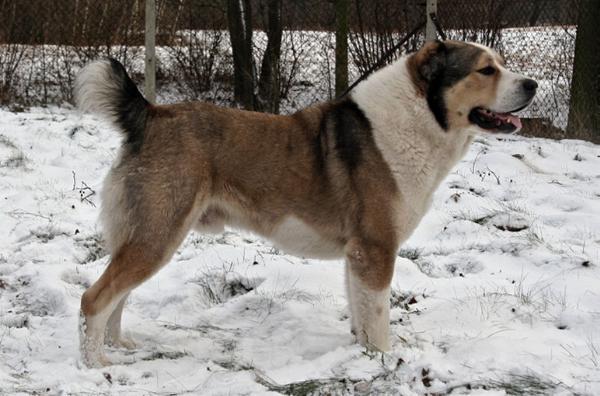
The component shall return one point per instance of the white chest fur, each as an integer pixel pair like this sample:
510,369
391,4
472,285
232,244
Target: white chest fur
418,151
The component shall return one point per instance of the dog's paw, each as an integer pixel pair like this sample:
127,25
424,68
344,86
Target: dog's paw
122,342
96,361
376,343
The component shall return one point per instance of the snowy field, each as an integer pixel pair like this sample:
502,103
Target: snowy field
497,292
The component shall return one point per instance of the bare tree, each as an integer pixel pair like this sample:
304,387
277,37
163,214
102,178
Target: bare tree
239,18
11,55
584,113
270,74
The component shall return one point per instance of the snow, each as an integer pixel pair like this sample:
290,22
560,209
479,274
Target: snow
497,291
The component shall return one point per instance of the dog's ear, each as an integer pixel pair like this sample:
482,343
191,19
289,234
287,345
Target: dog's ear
432,60
428,63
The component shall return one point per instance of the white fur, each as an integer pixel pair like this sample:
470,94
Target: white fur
418,151
296,237
420,155
96,88
112,334
91,336
510,94
117,229
370,313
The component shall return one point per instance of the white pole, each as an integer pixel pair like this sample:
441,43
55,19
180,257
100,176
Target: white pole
430,30
150,34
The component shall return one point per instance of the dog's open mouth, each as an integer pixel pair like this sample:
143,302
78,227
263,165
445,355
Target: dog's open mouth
495,122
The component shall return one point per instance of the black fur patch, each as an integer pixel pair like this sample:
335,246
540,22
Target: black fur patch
351,131
320,148
453,63
131,108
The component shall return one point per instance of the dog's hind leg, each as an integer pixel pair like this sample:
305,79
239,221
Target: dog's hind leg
350,296
370,270
113,336
155,233
133,263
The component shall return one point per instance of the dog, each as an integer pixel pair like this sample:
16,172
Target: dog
350,178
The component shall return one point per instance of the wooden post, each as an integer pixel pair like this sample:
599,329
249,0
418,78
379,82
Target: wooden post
150,35
430,30
341,46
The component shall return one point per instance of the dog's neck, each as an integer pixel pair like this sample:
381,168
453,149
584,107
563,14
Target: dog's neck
419,152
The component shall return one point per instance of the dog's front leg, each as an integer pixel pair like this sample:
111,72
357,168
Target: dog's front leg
370,267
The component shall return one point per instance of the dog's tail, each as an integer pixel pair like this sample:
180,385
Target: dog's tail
103,87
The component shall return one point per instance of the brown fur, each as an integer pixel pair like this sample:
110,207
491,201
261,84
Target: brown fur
205,165
416,63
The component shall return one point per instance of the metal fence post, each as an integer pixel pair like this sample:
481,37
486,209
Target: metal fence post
150,61
341,46
430,30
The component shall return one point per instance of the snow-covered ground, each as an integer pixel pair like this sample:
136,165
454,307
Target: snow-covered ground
497,292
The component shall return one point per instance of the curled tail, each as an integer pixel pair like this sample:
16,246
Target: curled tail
103,87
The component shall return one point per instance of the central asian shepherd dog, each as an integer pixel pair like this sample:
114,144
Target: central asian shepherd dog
350,178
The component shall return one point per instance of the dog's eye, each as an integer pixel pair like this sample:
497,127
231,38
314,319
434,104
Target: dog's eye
488,71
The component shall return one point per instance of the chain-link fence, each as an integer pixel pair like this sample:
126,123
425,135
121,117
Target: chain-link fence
536,38
43,44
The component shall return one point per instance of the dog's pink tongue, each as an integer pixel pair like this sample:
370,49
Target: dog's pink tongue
511,119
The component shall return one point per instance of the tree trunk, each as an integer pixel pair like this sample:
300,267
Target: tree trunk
270,76
584,112
239,19
341,46
538,6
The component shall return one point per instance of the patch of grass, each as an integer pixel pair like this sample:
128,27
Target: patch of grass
411,254
74,277
47,233
4,140
15,161
510,228
233,365
402,300
327,386
219,286
162,355
270,300
526,385
594,349
94,247
15,320
40,302
481,220
526,301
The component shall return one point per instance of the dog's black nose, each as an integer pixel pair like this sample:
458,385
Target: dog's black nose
530,85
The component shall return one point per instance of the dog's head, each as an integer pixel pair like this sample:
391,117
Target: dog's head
467,85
